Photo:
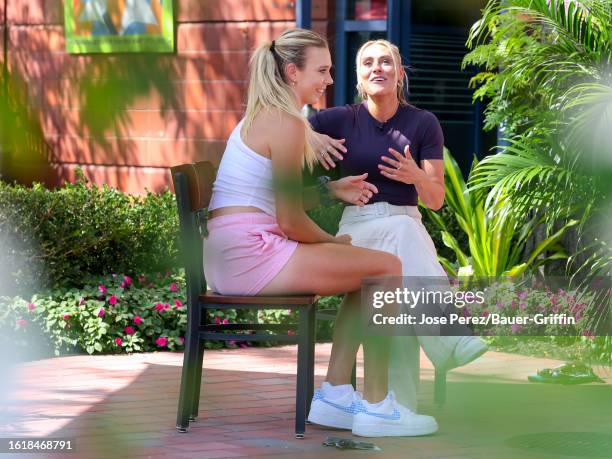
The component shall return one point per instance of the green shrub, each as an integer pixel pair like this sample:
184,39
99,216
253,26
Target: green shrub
327,218
57,238
116,314
112,314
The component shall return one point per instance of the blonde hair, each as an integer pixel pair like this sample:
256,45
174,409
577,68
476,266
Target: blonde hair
397,64
268,86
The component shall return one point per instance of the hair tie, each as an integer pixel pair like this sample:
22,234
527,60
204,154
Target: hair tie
272,47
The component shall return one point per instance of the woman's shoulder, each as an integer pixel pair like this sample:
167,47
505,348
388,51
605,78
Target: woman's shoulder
334,117
275,118
340,111
421,113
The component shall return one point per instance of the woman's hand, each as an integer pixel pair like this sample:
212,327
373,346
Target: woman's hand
404,169
353,189
327,149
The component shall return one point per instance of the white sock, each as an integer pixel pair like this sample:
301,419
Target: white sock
336,391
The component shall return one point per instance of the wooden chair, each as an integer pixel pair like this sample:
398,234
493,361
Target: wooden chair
193,187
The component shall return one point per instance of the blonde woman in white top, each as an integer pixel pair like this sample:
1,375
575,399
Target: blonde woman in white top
285,252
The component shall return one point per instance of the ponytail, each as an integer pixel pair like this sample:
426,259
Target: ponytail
268,87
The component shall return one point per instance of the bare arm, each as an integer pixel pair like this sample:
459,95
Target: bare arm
431,187
286,155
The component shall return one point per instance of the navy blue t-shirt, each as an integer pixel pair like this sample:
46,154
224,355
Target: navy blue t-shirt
367,139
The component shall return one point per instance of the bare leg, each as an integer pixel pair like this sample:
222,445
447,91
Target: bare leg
346,340
329,269
376,367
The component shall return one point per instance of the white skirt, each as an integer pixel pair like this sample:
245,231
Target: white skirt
400,231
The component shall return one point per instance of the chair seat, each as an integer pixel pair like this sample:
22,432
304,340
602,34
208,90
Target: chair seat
216,298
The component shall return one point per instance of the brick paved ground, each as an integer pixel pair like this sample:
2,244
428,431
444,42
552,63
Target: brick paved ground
125,406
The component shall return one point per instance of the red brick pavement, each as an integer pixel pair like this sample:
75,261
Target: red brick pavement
125,406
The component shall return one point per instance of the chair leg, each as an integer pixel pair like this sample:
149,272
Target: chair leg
301,387
440,388
197,383
187,377
312,332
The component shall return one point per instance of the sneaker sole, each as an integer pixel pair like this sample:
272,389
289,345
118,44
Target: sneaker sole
334,420
381,430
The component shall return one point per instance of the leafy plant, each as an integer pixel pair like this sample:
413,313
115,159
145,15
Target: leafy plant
58,238
118,313
548,76
496,238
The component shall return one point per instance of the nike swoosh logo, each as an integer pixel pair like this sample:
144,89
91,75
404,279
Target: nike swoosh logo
393,416
347,409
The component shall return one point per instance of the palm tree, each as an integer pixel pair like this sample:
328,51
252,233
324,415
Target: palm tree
547,70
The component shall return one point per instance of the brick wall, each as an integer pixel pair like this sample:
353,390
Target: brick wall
189,120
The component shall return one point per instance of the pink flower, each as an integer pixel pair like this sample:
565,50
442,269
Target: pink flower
522,295
166,306
159,307
485,314
181,340
162,341
31,307
553,300
127,280
217,320
522,306
588,334
81,301
516,328
118,341
102,289
101,312
138,320
66,316
178,304
290,332
578,315
173,287
225,322
22,322
142,279
500,305
122,285
129,330
112,300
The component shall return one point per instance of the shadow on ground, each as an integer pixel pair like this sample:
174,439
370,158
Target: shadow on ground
250,414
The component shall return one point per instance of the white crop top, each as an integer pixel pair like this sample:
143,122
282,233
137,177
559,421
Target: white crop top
244,177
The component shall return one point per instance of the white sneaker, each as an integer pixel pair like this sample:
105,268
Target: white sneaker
468,349
330,411
390,419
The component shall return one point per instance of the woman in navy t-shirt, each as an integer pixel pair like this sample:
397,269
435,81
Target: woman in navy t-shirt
401,149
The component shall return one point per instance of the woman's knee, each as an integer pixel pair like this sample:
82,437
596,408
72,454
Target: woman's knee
388,266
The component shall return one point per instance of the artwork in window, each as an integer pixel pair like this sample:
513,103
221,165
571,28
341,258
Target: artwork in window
110,26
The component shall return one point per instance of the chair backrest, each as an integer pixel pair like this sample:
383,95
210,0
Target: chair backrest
193,187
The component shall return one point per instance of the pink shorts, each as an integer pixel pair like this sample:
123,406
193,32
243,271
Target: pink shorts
244,252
